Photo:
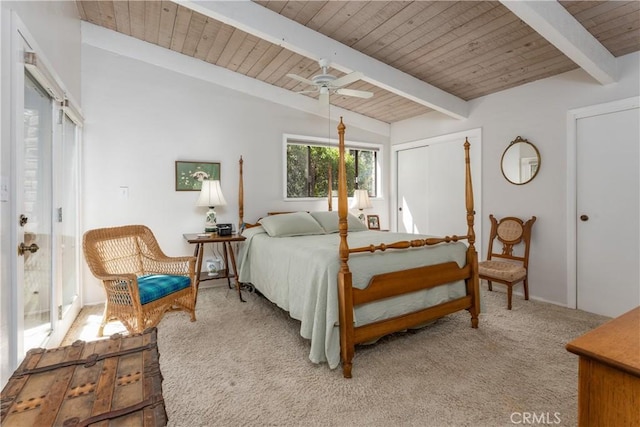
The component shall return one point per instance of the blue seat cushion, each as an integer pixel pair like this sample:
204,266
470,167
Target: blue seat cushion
156,286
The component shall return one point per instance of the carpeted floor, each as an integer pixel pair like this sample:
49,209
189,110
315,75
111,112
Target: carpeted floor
244,364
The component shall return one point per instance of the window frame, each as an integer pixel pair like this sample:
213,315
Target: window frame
333,143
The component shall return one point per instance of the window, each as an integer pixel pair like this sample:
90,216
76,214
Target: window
308,165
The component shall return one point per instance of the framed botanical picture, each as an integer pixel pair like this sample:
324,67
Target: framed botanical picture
189,175
373,222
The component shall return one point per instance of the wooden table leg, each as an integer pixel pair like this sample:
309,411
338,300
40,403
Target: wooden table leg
226,261
198,252
235,270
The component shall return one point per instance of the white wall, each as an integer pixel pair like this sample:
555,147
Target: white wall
537,112
55,25
141,118
55,28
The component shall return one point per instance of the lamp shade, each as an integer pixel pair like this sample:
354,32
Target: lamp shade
362,200
211,194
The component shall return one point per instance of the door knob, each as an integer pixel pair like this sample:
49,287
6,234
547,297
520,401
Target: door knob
584,218
33,248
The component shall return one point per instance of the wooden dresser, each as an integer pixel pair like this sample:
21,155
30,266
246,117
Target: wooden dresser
609,373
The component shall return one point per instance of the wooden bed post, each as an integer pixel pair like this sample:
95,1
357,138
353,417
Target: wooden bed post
241,200
473,284
345,295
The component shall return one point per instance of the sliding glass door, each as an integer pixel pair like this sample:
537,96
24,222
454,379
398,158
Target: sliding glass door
45,279
36,214
67,216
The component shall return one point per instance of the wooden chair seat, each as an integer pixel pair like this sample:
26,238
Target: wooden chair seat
511,269
502,270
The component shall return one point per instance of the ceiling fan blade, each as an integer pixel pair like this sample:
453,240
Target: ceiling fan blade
324,98
348,79
356,93
300,79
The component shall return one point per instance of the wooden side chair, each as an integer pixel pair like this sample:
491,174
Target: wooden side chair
141,282
511,232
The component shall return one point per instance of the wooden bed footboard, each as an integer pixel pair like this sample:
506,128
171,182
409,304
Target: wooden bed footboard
386,285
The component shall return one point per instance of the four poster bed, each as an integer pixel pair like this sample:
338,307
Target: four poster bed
348,285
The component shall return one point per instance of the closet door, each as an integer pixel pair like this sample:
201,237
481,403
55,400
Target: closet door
608,209
413,208
430,183
446,189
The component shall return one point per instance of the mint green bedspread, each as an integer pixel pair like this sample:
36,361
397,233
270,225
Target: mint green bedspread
300,275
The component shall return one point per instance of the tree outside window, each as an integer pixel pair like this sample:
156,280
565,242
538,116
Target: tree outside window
308,170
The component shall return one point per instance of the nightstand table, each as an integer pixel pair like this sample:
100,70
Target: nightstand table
227,254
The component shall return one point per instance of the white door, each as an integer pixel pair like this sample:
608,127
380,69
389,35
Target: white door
430,183
446,188
608,209
413,212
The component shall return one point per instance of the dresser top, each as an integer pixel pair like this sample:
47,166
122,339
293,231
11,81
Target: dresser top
616,343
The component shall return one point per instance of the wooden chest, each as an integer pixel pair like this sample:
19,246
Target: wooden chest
113,382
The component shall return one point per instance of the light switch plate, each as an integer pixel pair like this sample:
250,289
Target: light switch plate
4,189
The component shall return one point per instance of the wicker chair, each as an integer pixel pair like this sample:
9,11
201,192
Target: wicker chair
511,232
141,282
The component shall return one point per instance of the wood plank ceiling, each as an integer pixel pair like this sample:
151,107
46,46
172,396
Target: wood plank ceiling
467,48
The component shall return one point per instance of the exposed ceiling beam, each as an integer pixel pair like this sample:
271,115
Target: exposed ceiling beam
268,25
552,21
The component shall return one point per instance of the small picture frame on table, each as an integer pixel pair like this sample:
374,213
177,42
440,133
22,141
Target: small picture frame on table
373,222
189,175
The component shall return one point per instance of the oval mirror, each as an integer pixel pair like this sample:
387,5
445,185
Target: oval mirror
520,161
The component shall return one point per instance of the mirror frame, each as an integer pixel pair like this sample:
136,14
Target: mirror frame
520,140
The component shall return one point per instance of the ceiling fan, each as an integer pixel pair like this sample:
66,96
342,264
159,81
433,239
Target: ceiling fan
326,84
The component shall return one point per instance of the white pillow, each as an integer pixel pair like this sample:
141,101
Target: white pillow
291,224
329,221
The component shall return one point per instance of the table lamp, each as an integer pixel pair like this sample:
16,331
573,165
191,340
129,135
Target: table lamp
211,196
362,201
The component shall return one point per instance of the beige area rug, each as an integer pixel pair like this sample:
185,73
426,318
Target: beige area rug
244,364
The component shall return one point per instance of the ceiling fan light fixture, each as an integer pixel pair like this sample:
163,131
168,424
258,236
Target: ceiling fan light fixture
326,83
